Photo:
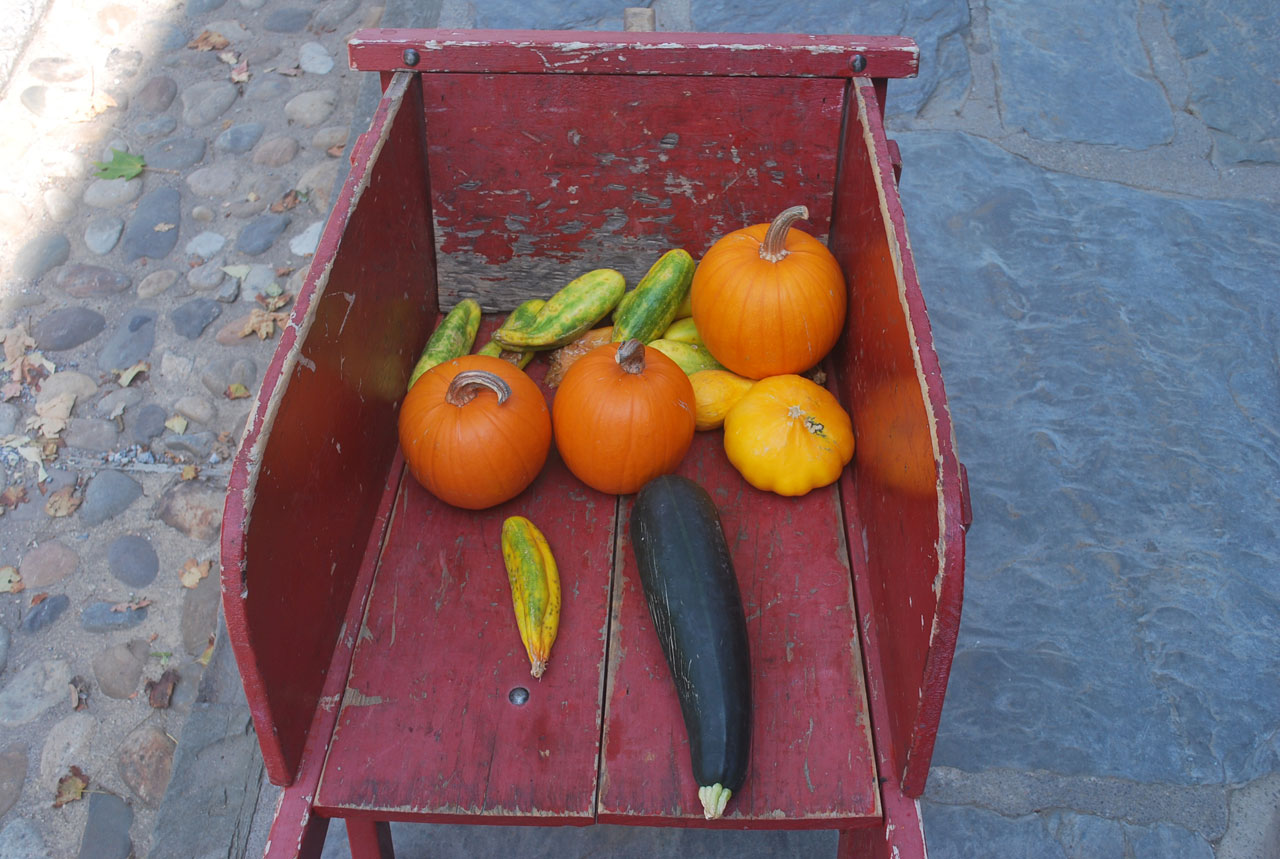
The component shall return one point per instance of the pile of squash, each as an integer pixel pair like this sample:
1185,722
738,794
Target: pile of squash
693,347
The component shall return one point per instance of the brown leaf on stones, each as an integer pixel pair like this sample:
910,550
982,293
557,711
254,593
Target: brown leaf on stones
131,606
16,343
293,72
240,73
229,57
263,323
13,496
62,502
125,377
39,598
160,691
71,787
209,40
335,150
193,573
10,581
189,472
284,270
10,390
52,414
164,227
207,655
79,688
287,202
236,391
274,302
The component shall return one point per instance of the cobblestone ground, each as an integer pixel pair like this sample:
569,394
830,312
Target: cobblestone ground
1094,199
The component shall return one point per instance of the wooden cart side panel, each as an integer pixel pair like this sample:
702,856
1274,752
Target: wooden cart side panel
314,460
906,477
633,53
537,178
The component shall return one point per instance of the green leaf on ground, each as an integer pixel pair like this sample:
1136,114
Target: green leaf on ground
121,166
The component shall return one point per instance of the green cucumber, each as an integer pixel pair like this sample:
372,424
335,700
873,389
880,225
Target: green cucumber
569,313
452,338
519,318
690,357
656,299
689,584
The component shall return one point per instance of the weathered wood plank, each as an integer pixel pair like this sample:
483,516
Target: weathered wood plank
539,178
427,728
905,476
633,53
323,428
812,762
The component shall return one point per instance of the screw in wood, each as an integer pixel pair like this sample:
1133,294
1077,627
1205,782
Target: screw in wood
518,696
410,57
858,63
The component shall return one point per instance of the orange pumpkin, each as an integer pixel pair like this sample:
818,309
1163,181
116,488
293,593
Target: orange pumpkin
475,431
623,415
769,299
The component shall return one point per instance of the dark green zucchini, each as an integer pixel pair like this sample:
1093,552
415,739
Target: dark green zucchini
692,592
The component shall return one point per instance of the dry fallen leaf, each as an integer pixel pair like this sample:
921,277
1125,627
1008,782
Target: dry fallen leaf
236,391
10,390
229,57
273,302
36,599
163,227
16,343
190,472
10,581
207,655
208,40
131,606
63,502
177,423
335,150
160,692
290,72
79,688
193,573
52,414
71,787
287,202
263,323
13,496
240,74
128,375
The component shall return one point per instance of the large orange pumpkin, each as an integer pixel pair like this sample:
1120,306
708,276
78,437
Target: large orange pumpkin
623,415
769,299
475,431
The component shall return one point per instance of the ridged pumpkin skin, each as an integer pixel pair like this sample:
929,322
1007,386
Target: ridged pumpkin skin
766,318
788,435
480,453
617,430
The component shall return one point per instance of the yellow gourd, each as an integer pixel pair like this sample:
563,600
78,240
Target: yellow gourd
715,392
788,435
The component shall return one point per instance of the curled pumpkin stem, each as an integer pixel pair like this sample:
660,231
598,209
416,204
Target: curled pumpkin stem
774,246
468,383
630,357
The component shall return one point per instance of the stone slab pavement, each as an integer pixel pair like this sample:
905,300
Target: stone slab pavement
1093,194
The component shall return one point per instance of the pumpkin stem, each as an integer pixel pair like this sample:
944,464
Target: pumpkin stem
630,357
774,246
467,384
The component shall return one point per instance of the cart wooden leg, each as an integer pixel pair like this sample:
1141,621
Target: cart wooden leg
370,839
900,834
297,832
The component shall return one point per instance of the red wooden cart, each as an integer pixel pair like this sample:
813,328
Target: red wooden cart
372,623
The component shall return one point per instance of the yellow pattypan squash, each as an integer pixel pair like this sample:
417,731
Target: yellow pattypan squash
788,435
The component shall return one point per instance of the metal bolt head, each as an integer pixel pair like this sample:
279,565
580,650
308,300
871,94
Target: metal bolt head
410,57
858,63
518,696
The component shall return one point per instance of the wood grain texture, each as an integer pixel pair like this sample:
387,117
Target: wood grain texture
305,484
579,52
906,478
812,763
540,178
427,730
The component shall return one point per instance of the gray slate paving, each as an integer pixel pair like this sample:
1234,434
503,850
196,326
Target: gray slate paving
1106,384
